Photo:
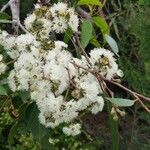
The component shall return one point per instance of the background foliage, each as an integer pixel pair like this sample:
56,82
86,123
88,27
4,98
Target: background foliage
130,26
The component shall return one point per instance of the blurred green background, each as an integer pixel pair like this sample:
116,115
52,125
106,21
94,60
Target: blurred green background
130,27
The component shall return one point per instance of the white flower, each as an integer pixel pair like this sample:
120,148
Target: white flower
24,40
98,106
37,6
72,130
58,75
120,73
59,45
103,60
29,21
12,81
59,25
97,53
2,65
10,46
60,8
2,68
3,35
74,22
42,119
1,57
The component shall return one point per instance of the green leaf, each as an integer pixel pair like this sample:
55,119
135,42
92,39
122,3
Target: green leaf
19,123
32,122
115,26
26,7
12,133
90,2
67,35
102,24
86,32
95,42
28,121
112,43
4,15
121,102
3,91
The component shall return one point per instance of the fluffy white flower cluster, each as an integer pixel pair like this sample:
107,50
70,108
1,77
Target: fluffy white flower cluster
104,61
3,66
45,68
57,18
61,90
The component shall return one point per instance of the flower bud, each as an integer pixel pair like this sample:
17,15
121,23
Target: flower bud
115,118
113,111
122,113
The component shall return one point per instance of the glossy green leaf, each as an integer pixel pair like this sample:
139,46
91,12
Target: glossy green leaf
86,32
90,2
95,42
102,24
3,91
112,43
121,102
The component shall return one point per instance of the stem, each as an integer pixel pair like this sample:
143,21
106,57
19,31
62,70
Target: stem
82,49
83,13
113,126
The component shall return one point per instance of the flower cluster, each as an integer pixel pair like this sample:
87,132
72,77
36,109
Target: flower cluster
61,89
57,18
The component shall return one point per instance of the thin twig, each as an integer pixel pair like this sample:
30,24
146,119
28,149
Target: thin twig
70,81
115,83
83,51
15,10
6,6
128,90
83,13
143,105
11,62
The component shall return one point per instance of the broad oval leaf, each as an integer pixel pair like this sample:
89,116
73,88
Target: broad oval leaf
86,32
102,24
112,43
3,91
90,2
121,102
32,122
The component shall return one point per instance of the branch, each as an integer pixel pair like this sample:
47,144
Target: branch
6,6
126,89
15,11
143,105
47,2
83,13
82,49
95,73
